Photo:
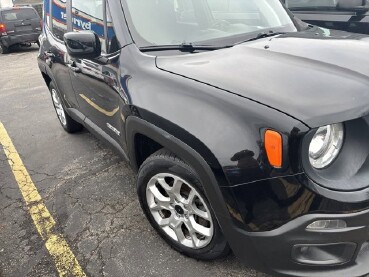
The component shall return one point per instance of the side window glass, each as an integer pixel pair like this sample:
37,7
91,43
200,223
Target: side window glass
112,41
59,18
88,15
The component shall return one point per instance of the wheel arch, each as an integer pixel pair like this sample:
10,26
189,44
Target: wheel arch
167,136
136,126
46,78
210,180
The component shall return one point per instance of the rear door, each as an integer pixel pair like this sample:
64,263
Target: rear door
21,21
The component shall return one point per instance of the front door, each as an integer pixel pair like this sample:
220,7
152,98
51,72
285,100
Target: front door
95,82
54,51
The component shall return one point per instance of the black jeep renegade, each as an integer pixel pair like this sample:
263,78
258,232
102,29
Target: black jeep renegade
248,128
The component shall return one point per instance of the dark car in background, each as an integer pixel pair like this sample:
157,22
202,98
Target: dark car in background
18,26
346,15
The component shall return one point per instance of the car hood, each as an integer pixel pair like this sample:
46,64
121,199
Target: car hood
318,76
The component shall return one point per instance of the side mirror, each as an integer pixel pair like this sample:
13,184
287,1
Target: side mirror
83,45
353,5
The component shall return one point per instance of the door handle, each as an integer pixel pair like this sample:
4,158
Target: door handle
72,66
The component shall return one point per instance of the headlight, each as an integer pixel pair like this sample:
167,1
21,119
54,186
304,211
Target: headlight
326,145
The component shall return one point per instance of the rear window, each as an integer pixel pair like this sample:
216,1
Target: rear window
19,14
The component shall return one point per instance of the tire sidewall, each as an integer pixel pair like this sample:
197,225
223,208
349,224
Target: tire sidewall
51,88
163,165
4,50
71,126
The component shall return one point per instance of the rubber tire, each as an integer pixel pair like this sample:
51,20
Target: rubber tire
163,161
4,50
71,126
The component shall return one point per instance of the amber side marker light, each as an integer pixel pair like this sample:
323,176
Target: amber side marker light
273,146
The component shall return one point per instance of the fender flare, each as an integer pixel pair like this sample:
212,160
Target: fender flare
135,125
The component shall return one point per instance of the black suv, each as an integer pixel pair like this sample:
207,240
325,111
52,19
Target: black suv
346,15
18,26
248,129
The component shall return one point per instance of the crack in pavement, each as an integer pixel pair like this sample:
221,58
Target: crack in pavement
58,248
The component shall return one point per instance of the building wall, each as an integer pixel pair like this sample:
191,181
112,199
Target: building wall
6,3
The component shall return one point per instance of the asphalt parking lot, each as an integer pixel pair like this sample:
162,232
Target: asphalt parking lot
88,190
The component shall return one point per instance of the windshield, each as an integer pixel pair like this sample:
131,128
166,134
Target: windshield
203,22
19,14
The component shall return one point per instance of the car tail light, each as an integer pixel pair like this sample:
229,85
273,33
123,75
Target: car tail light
2,29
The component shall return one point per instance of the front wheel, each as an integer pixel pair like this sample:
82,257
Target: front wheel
174,202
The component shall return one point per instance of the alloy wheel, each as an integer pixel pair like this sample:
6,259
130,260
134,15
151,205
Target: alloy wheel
59,107
179,210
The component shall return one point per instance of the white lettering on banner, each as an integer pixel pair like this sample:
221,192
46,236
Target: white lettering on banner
80,23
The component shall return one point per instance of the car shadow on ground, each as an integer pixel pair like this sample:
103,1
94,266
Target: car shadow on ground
24,49
228,266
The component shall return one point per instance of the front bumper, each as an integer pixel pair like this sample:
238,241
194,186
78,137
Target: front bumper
285,251
17,39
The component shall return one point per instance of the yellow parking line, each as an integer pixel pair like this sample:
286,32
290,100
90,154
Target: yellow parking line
65,261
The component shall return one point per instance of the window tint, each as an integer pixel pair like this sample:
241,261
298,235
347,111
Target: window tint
112,41
89,15
232,5
239,11
236,10
172,22
59,18
185,11
20,14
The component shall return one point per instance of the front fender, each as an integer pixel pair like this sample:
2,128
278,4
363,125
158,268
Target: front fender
224,128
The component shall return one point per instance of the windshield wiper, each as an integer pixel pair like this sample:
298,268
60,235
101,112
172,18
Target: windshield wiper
184,47
262,35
